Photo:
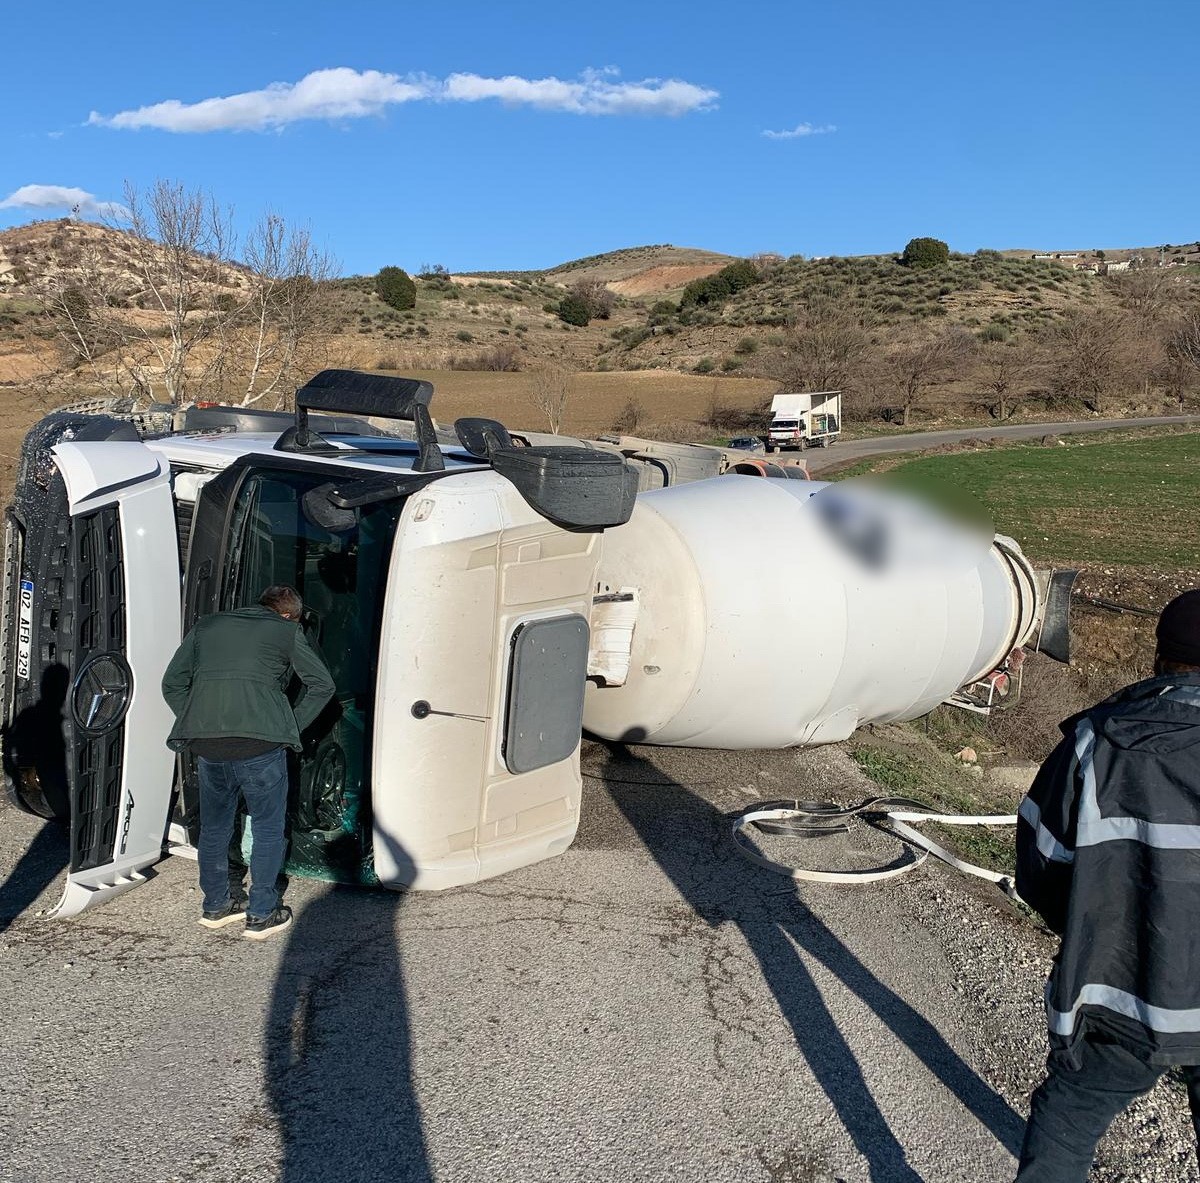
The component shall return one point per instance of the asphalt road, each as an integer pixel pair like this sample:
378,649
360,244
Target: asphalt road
819,459
646,1007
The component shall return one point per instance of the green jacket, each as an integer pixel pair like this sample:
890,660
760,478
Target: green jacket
230,677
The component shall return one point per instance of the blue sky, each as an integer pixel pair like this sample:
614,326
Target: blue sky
512,135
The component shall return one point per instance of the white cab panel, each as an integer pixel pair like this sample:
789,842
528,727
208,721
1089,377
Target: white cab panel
136,480
471,563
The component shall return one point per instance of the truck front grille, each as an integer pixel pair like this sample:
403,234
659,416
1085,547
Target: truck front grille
13,539
94,614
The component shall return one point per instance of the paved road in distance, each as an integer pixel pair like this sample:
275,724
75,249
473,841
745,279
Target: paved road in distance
820,459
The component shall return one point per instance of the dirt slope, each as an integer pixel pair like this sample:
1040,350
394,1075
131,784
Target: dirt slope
662,279
614,266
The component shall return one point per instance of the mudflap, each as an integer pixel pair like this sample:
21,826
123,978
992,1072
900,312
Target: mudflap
1054,635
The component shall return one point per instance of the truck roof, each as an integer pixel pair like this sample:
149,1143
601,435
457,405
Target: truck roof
218,450
802,402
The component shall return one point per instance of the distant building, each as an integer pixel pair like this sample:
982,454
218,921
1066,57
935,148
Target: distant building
1114,268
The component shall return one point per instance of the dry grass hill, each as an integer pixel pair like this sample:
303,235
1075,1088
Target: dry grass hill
619,265
37,252
984,293
653,357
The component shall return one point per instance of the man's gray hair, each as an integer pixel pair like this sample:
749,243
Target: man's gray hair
282,599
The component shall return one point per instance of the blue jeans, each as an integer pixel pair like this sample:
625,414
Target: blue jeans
1077,1102
263,782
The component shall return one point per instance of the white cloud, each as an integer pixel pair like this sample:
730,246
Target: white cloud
592,94
324,94
801,129
48,197
343,93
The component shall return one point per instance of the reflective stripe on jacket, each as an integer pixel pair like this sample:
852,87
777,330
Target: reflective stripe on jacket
1108,851
230,677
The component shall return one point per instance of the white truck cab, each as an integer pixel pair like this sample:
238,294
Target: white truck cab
479,604
807,420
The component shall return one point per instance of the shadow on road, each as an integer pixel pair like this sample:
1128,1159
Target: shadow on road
36,869
687,836
35,748
337,1046
35,762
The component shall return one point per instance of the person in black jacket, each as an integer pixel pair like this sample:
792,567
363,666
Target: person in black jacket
1108,852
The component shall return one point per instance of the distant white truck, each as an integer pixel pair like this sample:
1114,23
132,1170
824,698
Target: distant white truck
810,420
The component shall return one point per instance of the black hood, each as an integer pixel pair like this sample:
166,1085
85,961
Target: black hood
1159,715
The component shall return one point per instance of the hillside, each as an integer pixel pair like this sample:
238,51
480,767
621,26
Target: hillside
637,270
477,321
615,267
1180,254
39,252
989,296
45,254
490,323
482,324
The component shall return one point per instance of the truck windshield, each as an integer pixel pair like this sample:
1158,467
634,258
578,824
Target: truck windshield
785,424
342,578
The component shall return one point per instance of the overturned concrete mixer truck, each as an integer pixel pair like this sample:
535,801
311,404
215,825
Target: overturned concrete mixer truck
480,604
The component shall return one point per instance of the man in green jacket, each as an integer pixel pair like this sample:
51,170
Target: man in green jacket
227,686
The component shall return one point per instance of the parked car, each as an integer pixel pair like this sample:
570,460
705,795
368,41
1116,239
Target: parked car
747,443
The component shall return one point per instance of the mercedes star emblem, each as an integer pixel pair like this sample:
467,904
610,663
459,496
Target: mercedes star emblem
100,696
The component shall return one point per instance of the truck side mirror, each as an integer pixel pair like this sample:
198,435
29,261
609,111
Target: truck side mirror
481,437
320,511
576,488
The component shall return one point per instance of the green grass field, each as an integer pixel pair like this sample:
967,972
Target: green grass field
1130,503
1125,503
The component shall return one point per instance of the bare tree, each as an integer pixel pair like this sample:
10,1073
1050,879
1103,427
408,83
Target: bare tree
822,348
1183,356
911,365
131,309
1007,369
79,307
551,393
276,327
1149,293
731,416
179,240
157,305
630,417
1152,299
1092,357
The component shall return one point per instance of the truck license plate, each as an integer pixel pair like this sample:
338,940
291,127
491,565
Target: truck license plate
25,629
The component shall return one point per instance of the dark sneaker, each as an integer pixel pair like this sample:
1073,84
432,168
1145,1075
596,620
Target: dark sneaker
233,911
258,928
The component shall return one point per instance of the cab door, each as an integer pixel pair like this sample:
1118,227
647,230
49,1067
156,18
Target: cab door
120,628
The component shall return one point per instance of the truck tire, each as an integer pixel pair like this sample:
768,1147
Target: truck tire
37,733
